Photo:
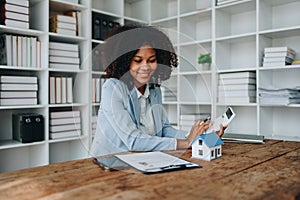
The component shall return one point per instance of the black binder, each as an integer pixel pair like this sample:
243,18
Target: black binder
28,127
99,26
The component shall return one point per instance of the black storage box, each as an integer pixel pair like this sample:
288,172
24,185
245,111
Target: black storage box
28,127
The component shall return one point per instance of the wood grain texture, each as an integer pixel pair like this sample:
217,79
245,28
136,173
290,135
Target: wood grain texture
245,171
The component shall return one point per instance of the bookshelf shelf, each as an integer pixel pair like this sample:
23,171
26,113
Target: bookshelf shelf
62,6
235,34
14,30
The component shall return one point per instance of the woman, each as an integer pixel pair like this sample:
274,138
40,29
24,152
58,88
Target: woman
131,116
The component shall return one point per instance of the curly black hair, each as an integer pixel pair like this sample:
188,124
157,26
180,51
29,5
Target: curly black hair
123,43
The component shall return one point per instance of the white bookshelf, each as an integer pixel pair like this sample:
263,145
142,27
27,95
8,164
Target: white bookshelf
235,34
17,155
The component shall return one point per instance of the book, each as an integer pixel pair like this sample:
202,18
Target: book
28,51
19,50
63,90
63,53
237,87
243,138
63,25
24,52
275,64
15,23
58,92
278,59
18,87
18,94
65,134
248,74
14,8
279,54
63,31
52,86
96,90
18,101
69,90
245,99
64,127
5,49
24,3
237,81
38,54
64,66
237,93
64,46
279,49
33,52
64,114
18,79
14,50
62,18
60,59
63,121
14,16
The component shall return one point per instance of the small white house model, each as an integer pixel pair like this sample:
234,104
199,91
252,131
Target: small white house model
207,146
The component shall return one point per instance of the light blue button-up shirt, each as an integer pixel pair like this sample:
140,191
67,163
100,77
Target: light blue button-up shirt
119,120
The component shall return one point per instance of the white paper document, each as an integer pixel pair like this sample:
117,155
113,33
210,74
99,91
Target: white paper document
152,162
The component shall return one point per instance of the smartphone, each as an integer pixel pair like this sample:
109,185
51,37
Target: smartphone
111,163
224,119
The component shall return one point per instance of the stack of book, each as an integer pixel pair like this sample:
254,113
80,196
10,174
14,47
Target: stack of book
61,90
22,51
64,56
188,120
278,56
14,13
237,87
279,96
168,94
18,90
65,124
63,24
97,83
224,2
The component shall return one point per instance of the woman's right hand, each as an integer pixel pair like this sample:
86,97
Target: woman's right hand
197,129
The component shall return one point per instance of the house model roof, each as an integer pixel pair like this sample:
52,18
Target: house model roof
210,139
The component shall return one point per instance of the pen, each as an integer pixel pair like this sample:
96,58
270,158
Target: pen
208,118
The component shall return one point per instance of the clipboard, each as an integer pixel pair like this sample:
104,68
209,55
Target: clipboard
156,162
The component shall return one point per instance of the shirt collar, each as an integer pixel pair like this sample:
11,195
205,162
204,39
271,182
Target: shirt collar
146,93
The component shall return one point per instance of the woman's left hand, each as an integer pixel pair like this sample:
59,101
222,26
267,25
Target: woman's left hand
221,131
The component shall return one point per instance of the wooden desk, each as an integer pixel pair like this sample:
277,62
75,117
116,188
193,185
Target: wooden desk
245,171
